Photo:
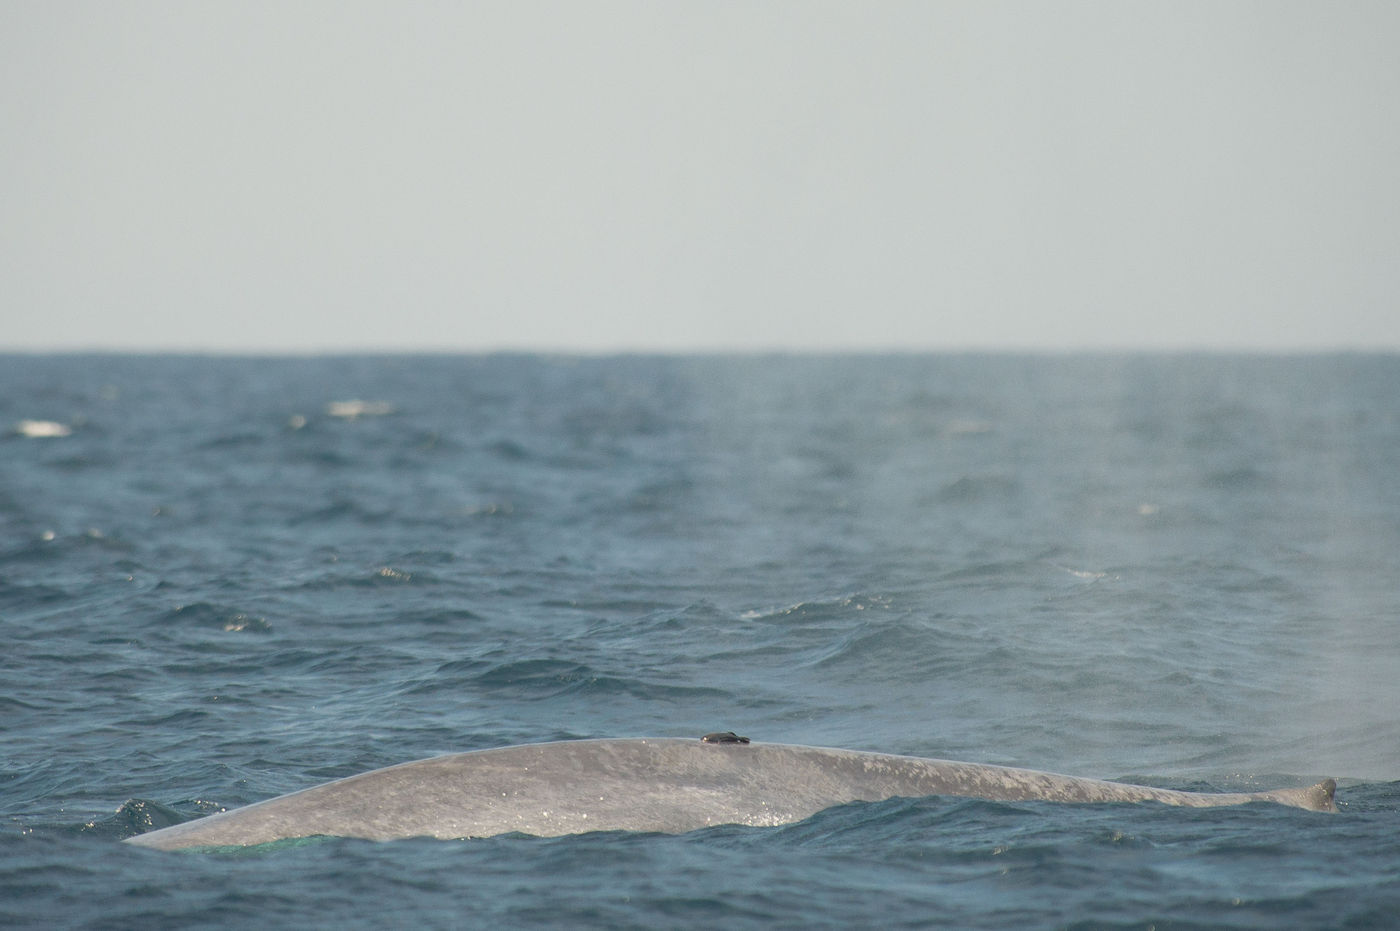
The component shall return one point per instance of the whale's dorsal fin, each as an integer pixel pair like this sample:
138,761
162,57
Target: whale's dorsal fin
724,737
1319,797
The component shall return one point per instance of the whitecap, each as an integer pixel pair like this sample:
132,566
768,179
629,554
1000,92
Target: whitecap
42,428
356,408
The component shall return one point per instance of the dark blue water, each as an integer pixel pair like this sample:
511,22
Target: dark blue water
223,585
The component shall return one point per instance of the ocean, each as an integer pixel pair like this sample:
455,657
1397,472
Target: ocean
224,579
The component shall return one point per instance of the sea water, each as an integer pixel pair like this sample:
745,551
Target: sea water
223,579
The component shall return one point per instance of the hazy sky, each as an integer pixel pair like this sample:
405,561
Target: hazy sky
302,176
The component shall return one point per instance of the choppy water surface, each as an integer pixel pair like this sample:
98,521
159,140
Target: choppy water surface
221,580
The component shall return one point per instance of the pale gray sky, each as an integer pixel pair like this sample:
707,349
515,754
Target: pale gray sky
306,176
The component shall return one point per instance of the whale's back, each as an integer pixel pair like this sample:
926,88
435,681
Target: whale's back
665,785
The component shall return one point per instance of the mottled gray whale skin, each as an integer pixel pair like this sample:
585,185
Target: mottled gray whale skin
666,785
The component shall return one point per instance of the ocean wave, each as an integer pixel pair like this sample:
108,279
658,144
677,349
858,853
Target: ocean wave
550,679
203,615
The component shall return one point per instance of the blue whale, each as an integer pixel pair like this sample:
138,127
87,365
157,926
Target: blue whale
667,785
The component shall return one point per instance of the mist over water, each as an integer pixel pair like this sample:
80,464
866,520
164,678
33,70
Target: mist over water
226,579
